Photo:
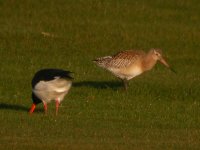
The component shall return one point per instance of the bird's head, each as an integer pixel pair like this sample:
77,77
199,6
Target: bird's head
35,99
157,55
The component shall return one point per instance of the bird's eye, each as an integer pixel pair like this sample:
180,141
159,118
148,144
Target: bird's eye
156,53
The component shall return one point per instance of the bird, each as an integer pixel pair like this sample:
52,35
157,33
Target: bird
50,84
128,64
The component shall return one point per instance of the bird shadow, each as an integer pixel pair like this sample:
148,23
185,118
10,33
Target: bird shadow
5,106
99,84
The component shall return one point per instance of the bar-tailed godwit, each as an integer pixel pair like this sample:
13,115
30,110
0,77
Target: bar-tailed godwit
131,63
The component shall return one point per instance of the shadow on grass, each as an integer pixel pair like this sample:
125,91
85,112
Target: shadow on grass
99,84
16,107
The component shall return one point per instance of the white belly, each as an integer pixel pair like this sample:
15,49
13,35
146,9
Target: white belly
126,73
52,90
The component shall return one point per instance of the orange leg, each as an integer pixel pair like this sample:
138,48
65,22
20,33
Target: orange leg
45,107
57,106
32,108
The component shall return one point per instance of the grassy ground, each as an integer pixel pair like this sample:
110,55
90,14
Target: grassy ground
159,111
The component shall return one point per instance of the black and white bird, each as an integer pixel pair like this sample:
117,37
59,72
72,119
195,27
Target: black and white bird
48,85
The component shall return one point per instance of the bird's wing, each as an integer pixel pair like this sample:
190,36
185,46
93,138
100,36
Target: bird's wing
125,58
50,74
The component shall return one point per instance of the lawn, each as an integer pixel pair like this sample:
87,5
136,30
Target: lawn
160,110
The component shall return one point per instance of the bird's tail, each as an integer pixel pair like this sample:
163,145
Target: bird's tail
102,61
67,75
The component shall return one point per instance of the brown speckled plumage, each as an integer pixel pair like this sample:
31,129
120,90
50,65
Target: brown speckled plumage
130,63
125,58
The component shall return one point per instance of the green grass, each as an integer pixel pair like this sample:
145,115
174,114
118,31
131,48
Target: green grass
159,111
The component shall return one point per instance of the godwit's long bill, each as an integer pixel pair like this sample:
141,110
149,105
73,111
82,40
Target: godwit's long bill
48,85
131,63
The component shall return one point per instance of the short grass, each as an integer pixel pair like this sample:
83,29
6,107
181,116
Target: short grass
159,111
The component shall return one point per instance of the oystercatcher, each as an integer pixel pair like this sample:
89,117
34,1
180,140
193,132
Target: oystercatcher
48,85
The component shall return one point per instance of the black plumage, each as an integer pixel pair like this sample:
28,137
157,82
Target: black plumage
50,74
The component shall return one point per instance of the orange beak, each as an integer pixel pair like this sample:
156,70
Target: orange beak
32,108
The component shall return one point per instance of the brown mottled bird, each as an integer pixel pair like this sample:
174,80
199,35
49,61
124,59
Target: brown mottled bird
131,63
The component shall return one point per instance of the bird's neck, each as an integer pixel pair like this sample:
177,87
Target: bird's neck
148,62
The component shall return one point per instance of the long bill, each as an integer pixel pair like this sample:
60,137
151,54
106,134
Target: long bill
163,61
32,108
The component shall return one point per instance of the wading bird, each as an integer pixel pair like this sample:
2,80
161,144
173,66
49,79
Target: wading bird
131,63
48,85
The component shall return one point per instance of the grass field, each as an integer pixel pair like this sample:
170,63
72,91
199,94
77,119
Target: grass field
160,110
